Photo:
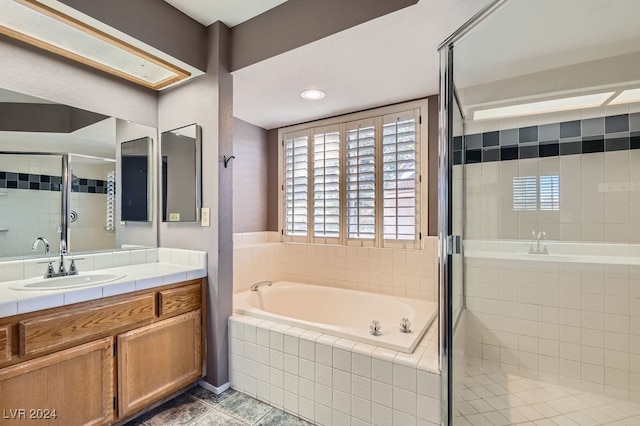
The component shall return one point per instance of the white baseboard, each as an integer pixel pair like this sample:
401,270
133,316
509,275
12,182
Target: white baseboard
217,390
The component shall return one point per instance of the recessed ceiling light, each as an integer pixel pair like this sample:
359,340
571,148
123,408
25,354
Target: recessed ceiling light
626,97
312,94
554,105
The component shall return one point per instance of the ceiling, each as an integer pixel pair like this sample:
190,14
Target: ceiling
231,12
390,59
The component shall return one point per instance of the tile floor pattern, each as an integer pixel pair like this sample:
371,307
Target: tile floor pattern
200,407
493,398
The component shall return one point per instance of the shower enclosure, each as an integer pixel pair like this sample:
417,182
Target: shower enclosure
540,231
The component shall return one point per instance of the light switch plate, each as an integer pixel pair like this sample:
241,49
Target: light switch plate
205,214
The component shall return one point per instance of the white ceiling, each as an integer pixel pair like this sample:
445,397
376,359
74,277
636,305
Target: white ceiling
389,59
231,12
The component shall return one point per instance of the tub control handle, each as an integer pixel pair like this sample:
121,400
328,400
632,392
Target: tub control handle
405,325
375,328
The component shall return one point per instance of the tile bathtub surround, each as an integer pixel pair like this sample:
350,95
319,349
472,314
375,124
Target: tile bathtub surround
619,132
330,380
398,272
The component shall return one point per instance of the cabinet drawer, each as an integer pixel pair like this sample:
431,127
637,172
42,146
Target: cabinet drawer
5,343
179,300
44,333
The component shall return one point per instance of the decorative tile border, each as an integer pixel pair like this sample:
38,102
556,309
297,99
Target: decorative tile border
601,134
12,180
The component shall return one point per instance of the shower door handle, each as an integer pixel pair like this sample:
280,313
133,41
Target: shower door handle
454,244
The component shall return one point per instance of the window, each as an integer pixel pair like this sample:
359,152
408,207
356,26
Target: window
354,181
532,193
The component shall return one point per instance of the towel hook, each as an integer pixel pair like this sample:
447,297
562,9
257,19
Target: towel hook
226,160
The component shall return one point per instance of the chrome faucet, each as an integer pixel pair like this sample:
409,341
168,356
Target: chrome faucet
538,248
47,249
256,286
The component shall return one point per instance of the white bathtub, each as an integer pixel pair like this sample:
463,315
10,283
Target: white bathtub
340,312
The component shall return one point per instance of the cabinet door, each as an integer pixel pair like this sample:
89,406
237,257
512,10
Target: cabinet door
157,360
70,387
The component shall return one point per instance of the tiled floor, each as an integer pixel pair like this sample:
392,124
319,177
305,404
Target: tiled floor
199,407
493,398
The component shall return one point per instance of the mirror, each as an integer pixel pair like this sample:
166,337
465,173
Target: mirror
135,197
181,174
35,134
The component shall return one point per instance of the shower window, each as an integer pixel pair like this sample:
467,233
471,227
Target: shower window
355,182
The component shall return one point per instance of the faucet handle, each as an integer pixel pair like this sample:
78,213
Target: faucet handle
375,329
405,325
72,268
51,271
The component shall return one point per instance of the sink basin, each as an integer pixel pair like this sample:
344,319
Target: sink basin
69,281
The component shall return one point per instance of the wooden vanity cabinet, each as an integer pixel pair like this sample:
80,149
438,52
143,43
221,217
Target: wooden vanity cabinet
102,361
70,387
157,360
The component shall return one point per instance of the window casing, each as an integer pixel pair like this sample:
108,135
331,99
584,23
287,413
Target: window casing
359,177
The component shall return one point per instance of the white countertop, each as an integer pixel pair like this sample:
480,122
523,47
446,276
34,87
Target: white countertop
138,277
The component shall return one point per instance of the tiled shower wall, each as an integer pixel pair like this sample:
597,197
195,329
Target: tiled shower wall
26,214
398,272
34,210
88,231
575,322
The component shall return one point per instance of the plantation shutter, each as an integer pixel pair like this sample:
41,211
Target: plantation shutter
525,193
550,192
326,182
296,181
399,176
361,179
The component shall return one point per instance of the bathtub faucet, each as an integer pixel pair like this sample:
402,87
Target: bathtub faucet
256,286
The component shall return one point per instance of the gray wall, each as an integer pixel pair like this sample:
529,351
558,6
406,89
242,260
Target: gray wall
169,31
37,73
298,22
250,177
272,169
207,101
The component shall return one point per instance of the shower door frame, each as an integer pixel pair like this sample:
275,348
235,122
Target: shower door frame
446,239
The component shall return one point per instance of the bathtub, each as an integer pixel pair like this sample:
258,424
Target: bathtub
340,312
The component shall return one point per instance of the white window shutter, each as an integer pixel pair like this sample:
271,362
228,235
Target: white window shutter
399,176
326,182
296,181
361,179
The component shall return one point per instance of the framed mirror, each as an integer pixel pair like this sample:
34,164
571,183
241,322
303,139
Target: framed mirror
135,196
35,136
181,157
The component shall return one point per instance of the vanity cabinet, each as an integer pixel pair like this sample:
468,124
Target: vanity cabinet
156,360
73,386
102,361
